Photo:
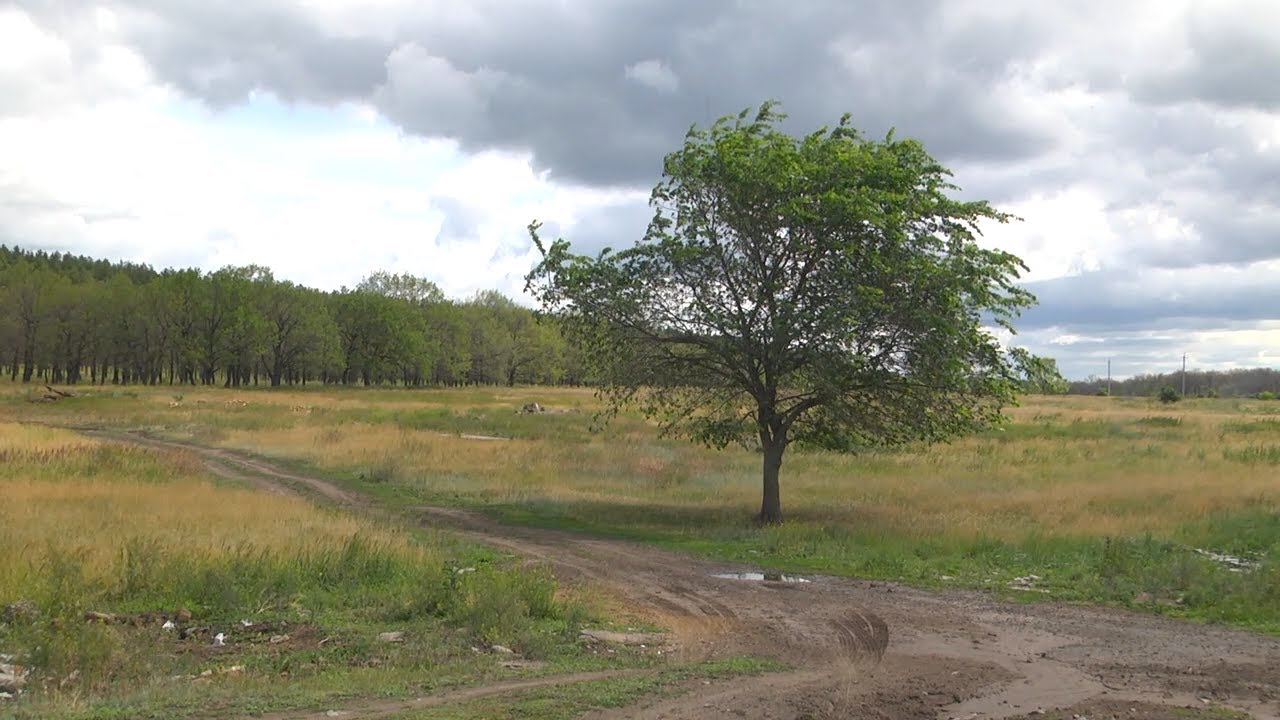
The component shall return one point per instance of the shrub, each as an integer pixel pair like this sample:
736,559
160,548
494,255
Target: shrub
1160,421
1169,395
1266,395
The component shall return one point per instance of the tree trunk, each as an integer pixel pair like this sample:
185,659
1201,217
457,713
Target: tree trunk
28,364
771,505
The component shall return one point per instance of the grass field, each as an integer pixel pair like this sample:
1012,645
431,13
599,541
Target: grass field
1105,499
1079,498
299,593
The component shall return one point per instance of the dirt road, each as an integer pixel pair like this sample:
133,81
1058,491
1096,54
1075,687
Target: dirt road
861,649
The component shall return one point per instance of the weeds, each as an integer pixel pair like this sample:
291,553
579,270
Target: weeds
1159,421
1253,454
1252,426
96,526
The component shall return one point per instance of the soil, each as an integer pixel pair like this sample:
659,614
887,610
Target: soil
858,649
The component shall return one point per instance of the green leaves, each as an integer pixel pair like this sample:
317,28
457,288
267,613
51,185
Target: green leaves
1037,374
822,289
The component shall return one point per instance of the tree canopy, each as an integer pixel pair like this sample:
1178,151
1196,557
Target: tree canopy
821,290
68,319
1038,375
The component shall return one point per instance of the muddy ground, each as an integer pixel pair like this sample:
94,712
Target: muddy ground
859,649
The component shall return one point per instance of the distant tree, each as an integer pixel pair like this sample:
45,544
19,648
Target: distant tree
512,345
300,333
26,300
181,295
1038,375
447,343
1240,382
376,334
821,290
416,290
236,327
63,315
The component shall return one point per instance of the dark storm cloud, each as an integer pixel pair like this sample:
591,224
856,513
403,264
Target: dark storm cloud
1151,114
220,52
552,78
559,80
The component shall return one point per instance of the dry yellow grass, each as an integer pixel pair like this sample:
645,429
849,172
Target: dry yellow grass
78,497
1070,466
1066,466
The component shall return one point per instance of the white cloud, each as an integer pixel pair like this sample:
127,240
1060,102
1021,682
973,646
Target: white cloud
323,196
1144,169
654,74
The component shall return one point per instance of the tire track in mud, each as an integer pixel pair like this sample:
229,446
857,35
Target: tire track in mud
955,654
862,633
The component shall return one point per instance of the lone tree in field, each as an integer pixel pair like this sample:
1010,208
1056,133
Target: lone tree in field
821,290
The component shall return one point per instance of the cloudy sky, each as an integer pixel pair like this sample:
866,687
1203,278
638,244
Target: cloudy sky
1138,140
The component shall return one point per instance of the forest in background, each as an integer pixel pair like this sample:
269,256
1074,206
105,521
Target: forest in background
73,319
1242,382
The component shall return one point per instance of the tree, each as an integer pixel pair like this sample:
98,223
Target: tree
236,331
447,344
821,290
1038,374
26,301
509,344
416,290
300,332
128,323
376,335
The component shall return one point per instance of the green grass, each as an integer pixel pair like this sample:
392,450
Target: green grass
1254,454
570,700
1074,429
1105,499
1160,575
1159,421
1265,426
143,535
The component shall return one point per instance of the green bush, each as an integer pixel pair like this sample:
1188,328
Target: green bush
1169,395
1266,395
502,606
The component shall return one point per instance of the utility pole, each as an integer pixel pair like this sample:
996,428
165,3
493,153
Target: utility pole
1184,374
1108,377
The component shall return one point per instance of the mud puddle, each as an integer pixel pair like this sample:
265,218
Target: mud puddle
762,577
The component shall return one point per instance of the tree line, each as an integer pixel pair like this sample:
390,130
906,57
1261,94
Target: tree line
72,319
1243,382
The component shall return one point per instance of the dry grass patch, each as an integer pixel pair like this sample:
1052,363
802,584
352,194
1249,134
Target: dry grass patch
90,525
1075,466
70,496
1110,497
